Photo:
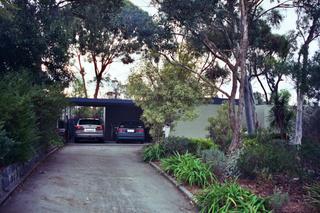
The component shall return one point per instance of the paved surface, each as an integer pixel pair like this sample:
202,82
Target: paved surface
96,178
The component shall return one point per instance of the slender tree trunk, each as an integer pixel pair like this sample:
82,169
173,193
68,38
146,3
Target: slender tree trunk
82,73
234,123
244,43
235,126
299,116
96,91
250,110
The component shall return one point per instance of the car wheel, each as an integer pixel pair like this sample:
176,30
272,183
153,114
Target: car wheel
76,140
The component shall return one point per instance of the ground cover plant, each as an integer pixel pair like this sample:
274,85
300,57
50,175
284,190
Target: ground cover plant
314,195
216,159
183,145
188,168
153,152
229,197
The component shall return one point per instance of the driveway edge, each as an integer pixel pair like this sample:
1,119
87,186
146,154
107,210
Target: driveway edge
24,178
181,188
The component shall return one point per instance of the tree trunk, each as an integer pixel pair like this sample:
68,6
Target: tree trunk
234,123
82,73
249,107
244,43
96,91
299,116
235,126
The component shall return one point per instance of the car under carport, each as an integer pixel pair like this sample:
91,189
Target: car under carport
115,112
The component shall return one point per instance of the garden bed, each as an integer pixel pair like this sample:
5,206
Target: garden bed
297,202
279,192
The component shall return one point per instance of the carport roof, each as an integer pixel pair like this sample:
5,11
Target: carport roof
100,102
111,102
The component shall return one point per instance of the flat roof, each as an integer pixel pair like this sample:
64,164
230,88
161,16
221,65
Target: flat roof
100,102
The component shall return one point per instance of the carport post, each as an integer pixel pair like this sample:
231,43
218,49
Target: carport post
104,121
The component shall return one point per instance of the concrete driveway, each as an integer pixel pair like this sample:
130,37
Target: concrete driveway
96,178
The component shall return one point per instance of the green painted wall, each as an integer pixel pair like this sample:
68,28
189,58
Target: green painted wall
196,128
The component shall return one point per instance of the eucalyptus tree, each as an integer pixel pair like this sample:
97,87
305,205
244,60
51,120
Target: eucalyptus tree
109,30
308,29
219,30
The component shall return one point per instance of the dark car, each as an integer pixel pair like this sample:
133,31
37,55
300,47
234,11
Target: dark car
130,131
89,129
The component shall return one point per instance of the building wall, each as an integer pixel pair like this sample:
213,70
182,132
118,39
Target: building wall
196,128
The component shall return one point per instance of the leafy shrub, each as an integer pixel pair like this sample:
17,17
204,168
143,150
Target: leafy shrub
310,155
216,159
47,106
314,195
184,145
203,143
179,145
278,200
229,197
188,168
281,114
272,157
153,152
232,164
28,115
5,146
219,128
17,116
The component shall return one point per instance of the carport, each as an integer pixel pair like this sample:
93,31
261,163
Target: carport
115,111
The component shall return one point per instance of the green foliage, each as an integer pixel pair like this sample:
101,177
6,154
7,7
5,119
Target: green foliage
87,112
281,114
78,88
203,143
219,128
188,168
184,145
47,105
165,93
108,30
216,159
314,79
310,155
311,123
314,195
29,114
267,158
153,152
17,115
111,28
229,197
278,200
6,145
35,37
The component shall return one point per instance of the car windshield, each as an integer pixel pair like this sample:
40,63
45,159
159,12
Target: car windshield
131,124
89,122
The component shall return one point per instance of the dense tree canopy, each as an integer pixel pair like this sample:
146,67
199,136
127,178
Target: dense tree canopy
35,36
110,30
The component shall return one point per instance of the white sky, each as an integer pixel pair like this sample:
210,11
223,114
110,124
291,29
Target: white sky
121,71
